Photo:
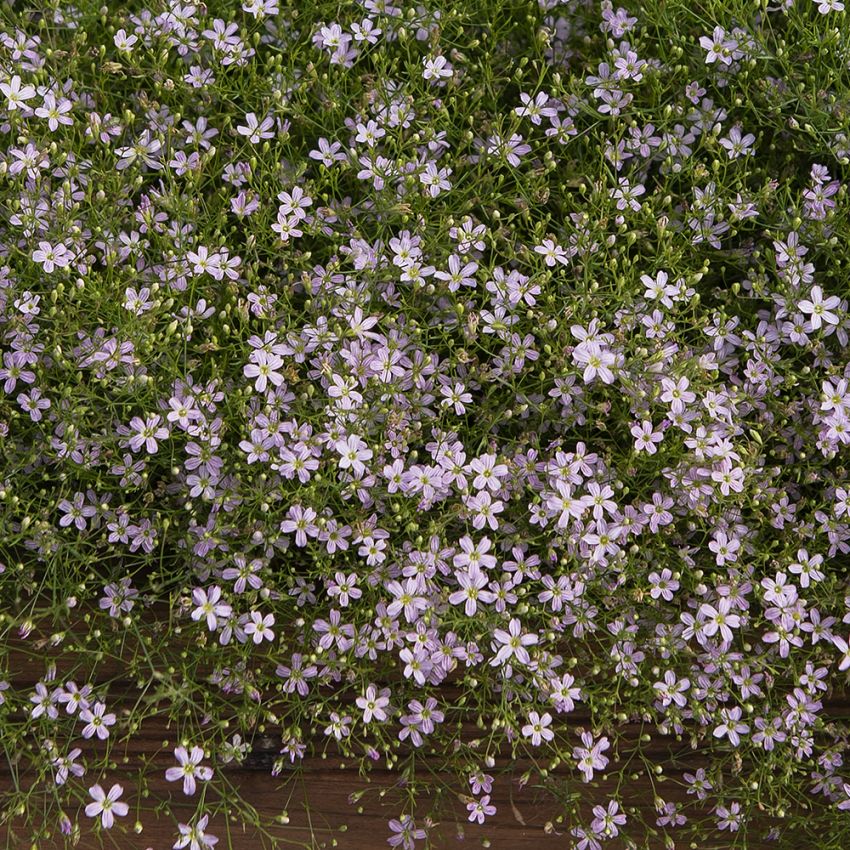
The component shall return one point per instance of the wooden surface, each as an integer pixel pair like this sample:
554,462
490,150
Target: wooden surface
321,814
317,797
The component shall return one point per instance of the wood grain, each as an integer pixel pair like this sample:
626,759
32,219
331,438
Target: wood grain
317,797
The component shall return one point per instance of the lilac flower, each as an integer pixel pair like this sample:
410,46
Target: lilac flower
726,550
52,257
434,180
512,644
607,821
672,690
118,597
552,253
472,583
437,68
457,397
480,809
33,403
344,588
353,451
43,703
144,150
137,302
245,574
14,370
417,664
16,93
146,432
255,129
844,647
405,833
339,727
719,619
190,769
209,606
731,726
626,195
106,804
819,309
664,585
74,697
589,757
76,512
564,693
488,472
66,766
737,145
372,703
719,47
194,836
259,627
537,728
480,781
407,598
646,437
97,721
124,42
729,818
596,360
300,520
295,677
807,568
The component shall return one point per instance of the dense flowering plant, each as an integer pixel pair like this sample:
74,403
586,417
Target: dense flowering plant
428,383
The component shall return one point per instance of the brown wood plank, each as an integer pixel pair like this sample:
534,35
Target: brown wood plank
317,798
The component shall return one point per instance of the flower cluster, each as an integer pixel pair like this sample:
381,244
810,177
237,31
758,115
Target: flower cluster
375,371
